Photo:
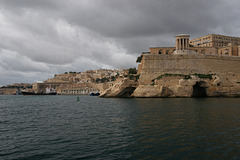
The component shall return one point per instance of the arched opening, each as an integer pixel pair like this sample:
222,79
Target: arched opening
160,51
167,51
126,92
203,51
199,90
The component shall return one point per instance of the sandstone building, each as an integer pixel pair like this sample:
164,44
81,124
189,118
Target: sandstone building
187,70
184,70
214,40
210,44
71,83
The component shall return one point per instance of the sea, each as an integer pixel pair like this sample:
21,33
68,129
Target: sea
89,127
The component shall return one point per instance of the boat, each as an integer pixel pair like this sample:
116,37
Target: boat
94,94
49,91
18,92
37,93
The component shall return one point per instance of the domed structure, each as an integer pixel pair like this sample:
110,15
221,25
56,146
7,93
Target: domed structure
182,44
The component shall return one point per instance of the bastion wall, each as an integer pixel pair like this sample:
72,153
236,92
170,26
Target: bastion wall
153,66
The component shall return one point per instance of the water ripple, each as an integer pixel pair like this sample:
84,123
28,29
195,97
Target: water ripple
59,127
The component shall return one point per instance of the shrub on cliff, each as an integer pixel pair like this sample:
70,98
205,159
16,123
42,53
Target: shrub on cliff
139,59
132,71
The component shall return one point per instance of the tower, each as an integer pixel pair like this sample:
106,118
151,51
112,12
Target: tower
182,44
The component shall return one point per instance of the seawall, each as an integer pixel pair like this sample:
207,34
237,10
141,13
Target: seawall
156,65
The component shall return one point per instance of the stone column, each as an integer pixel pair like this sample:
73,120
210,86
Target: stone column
179,45
176,44
186,41
182,44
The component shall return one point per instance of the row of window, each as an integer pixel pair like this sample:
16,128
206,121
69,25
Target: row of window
204,45
224,38
80,91
161,51
204,38
219,45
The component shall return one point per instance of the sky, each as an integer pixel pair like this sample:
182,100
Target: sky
40,38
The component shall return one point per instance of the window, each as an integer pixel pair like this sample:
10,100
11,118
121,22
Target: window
160,51
167,51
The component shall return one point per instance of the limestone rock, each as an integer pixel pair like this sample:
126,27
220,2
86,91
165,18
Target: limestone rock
121,88
177,86
152,91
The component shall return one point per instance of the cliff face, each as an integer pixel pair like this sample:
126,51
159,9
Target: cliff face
121,88
184,76
176,86
189,76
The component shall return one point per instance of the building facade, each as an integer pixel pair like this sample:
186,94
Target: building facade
212,44
214,40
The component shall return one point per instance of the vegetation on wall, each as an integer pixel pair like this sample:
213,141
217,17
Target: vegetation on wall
204,75
139,59
132,74
168,75
134,77
132,70
209,76
104,80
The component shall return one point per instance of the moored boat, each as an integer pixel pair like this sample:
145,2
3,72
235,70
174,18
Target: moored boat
37,93
49,91
94,94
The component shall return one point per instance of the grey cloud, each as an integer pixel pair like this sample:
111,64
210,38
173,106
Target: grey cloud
88,34
141,18
34,4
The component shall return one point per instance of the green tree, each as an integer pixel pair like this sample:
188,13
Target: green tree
139,59
132,70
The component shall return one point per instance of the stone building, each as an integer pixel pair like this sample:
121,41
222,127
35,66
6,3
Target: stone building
210,44
80,82
189,71
214,40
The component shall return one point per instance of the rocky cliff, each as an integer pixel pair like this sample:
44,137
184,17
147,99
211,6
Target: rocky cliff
176,85
121,88
183,76
190,86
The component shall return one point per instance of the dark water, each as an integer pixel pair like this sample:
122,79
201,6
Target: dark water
59,127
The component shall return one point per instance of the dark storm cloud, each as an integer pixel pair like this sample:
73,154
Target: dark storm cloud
53,36
137,18
34,4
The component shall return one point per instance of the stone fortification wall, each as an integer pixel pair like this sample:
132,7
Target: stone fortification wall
156,65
